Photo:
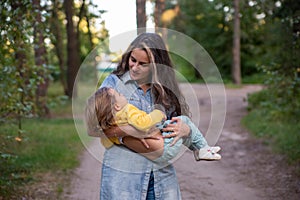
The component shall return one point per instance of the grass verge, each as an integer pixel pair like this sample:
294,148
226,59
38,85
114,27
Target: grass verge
48,147
282,135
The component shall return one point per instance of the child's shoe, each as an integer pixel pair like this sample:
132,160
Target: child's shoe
207,153
214,149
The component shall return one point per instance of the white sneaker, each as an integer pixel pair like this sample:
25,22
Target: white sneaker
208,153
214,149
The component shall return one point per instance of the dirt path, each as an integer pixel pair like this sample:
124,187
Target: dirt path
247,171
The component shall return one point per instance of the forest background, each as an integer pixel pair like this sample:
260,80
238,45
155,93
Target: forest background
43,44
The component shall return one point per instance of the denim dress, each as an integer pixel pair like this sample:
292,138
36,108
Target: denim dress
125,174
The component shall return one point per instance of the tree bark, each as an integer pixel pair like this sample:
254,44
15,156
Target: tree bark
236,65
73,56
89,31
141,18
58,43
159,8
40,61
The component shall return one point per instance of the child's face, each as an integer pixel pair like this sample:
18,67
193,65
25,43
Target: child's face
120,100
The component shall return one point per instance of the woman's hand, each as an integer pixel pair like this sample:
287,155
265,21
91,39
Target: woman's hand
144,141
178,129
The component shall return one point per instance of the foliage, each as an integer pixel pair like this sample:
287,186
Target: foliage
183,67
22,156
211,24
19,75
19,78
282,61
23,153
89,34
269,43
275,111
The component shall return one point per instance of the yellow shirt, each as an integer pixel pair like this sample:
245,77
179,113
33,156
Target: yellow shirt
137,118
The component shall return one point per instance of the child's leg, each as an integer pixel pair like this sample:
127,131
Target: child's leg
198,144
169,152
196,139
160,150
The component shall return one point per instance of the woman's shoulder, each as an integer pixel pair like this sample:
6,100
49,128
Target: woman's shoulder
112,76
110,81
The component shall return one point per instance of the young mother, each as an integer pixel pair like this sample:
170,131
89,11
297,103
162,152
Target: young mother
146,77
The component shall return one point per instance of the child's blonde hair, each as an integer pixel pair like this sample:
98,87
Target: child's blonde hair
98,111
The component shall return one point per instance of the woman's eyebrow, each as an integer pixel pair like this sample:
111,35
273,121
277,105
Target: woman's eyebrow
141,62
132,57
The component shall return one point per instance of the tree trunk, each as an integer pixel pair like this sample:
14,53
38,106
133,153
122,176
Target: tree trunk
80,17
141,16
20,61
40,61
58,43
296,40
159,8
236,65
89,31
73,58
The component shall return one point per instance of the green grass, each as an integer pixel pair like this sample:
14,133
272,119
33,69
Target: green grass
58,103
258,78
54,143
44,146
230,85
47,146
282,135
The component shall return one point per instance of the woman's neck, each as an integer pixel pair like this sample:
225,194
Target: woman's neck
144,87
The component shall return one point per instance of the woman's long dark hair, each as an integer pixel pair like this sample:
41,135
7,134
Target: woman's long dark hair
164,85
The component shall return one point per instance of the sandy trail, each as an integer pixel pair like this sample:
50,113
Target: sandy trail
247,171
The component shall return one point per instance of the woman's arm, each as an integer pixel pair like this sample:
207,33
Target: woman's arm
127,130
150,147
144,138
153,151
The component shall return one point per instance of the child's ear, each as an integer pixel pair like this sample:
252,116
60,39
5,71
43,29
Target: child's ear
117,107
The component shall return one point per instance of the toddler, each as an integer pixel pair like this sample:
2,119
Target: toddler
112,108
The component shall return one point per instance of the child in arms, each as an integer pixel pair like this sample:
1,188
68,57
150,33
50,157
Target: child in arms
112,108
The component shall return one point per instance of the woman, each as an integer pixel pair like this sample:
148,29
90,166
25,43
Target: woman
145,76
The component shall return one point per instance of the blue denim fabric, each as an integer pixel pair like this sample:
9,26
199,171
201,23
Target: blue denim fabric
195,141
151,192
125,174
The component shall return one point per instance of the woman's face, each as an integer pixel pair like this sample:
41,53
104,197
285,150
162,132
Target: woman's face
139,66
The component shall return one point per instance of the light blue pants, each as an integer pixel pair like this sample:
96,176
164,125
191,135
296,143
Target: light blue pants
195,141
